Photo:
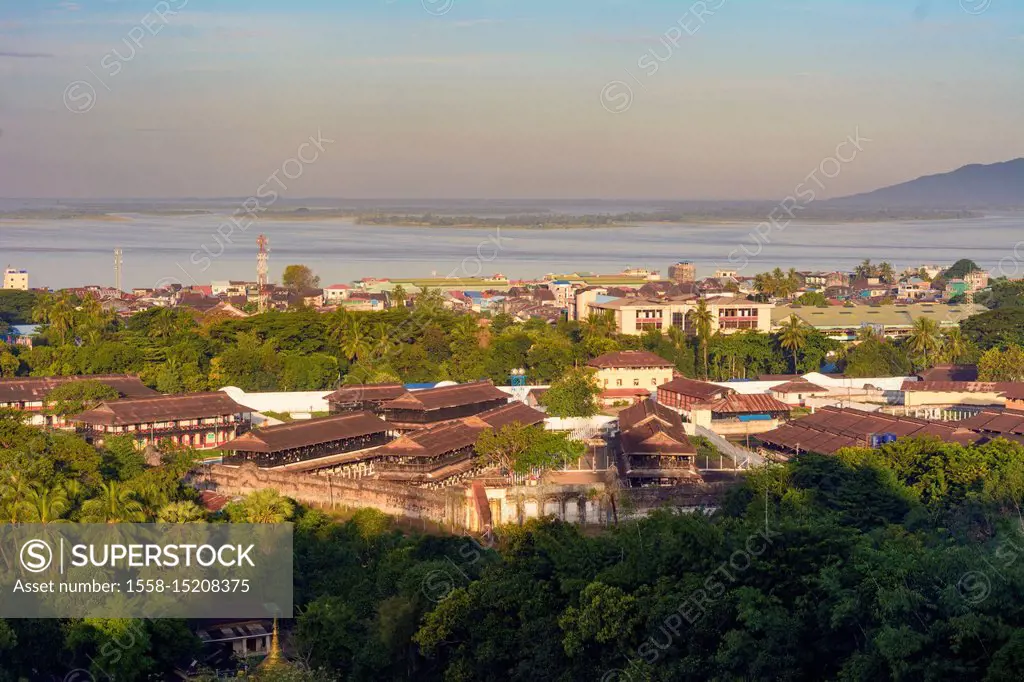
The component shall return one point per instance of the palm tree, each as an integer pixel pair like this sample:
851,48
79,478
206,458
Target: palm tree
181,512
115,504
13,508
266,506
398,296
954,345
868,333
924,338
351,335
793,337
865,269
702,320
600,324
46,505
886,272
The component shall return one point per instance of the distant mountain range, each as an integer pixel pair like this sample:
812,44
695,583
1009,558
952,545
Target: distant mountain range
998,185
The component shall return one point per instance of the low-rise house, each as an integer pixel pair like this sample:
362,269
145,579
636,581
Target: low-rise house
632,369
740,414
200,420
336,293
797,391
681,393
312,439
15,279
655,447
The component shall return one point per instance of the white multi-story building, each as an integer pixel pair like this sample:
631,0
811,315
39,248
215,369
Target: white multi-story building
16,279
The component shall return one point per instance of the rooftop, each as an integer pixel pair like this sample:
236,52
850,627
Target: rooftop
161,408
34,389
447,396
309,432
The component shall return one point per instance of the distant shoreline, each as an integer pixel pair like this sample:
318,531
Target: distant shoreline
511,222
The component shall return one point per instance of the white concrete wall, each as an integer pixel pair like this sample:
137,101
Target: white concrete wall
296,401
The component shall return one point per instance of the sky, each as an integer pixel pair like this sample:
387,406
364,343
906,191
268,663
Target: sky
644,99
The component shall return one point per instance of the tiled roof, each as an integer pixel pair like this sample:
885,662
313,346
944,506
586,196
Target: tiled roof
161,408
746,404
16,390
629,359
308,432
447,396
694,388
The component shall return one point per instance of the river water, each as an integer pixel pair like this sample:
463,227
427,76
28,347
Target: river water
189,249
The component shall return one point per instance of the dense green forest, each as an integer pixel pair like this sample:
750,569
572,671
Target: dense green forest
903,563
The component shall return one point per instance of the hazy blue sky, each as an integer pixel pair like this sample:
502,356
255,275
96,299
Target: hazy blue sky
501,98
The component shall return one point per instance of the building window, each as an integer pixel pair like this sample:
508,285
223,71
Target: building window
636,382
654,382
618,382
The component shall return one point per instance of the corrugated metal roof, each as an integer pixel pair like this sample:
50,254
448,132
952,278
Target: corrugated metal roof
746,404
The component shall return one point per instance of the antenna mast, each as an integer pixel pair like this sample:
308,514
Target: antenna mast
262,271
118,261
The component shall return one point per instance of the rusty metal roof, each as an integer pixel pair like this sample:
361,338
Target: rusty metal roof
756,403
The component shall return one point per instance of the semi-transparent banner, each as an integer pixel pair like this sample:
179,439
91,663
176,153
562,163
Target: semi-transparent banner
145,570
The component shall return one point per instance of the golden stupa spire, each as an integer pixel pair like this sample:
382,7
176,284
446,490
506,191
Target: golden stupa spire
274,658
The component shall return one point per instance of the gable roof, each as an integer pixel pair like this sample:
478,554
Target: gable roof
161,408
308,432
447,396
646,411
648,427
743,404
629,359
831,428
695,389
514,412
34,389
799,386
